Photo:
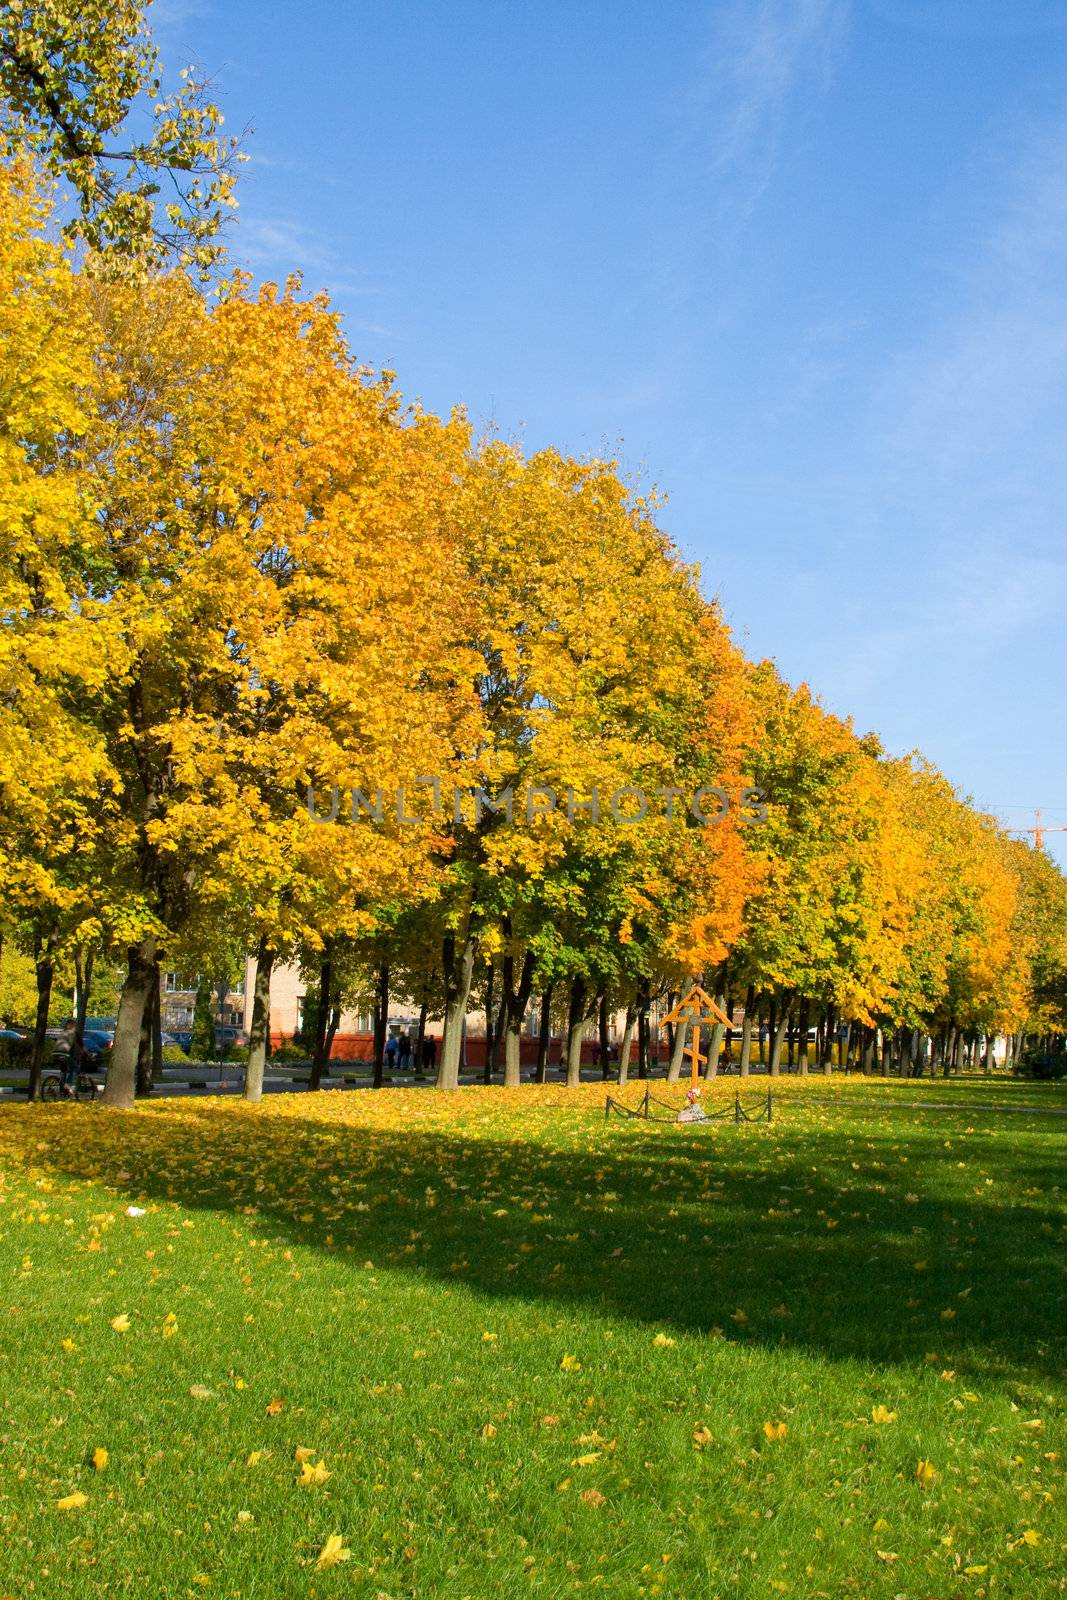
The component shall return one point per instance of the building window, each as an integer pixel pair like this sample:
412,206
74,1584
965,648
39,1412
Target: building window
170,982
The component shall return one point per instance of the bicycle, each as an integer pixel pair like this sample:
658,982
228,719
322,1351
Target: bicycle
53,1088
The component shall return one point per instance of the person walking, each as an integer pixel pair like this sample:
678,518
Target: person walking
403,1051
390,1051
429,1051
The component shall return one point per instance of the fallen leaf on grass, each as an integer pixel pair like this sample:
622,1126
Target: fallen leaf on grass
332,1552
775,1430
72,1502
100,1459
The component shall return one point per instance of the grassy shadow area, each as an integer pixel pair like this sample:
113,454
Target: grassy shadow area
834,1231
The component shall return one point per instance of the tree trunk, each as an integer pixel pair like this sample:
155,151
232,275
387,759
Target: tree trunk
870,1045
490,1036
718,1034
322,1017
45,971
746,1031
458,973
142,972
420,1036
150,1054
825,1045
674,1065
83,978
516,999
259,1033
381,1024
603,1037
146,1043
644,1003
157,1028
575,1029
544,1035
626,1044
776,1043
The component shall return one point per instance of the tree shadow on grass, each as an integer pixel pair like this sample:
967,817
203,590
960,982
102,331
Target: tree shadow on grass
808,1239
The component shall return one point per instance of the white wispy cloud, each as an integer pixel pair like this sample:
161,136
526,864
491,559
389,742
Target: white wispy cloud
764,58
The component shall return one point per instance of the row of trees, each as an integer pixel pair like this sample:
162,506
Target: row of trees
234,564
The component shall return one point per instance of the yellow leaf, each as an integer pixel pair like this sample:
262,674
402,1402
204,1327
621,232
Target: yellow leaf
72,1502
332,1552
775,1430
571,1364
274,1407
881,1414
313,1475
926,1472
170,1325
302,1453
662,1341
69,1346
100,1459
121,1323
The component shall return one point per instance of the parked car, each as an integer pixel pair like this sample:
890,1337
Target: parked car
96,1049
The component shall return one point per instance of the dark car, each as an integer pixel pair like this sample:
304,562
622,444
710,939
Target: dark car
96,1049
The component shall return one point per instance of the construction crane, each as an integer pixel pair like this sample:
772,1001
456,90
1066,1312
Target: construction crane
1040,829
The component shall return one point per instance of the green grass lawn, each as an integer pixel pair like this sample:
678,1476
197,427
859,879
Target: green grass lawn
535,1352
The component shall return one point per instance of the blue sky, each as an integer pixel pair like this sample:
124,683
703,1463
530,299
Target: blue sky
802,264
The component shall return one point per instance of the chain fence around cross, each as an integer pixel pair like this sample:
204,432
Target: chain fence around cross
756,1111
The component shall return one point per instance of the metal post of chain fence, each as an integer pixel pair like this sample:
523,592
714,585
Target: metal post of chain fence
768,1105
737,1109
